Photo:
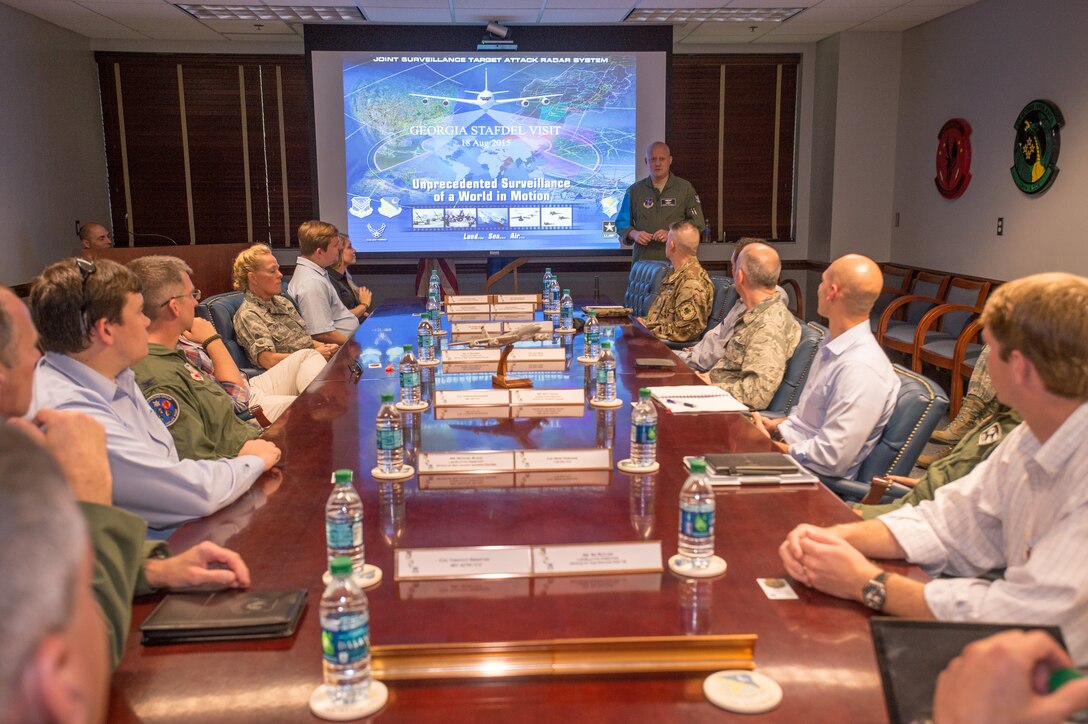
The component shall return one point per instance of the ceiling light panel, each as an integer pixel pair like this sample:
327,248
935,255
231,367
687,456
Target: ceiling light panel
286,13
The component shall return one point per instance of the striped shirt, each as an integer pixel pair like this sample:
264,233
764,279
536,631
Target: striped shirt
1025,509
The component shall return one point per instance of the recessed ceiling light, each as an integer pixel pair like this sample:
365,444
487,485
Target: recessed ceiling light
714,15
286,13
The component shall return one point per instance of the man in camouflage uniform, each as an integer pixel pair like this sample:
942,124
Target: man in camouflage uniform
971,450
765,335
682,306
979,403
198,413
651,206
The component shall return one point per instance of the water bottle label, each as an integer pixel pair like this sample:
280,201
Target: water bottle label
344,535
409,379
696,523
346,639
644,433
605,377
594,337
426,340
390,439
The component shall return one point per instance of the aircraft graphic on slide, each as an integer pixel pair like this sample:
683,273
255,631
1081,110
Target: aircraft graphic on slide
486,98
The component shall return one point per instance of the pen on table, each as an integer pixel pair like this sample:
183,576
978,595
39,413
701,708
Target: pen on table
678,402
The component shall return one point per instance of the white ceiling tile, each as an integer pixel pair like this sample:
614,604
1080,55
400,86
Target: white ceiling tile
249,38
654,4
837,15
885,26
732,30
78,19
625,5
245,27
408,15
769,3
885,4
919,13
584,15
792,39
435,4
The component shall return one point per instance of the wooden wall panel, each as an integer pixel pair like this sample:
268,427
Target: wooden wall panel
302,204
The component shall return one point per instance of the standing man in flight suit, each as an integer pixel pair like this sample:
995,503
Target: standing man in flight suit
653,204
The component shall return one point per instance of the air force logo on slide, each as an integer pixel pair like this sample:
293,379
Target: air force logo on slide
166,407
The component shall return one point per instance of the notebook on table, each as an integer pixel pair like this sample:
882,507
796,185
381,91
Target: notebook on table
224,616
696,398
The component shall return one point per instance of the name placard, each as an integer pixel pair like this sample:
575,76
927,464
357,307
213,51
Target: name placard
468,461
472,330
467,299
558,396
498,313
478,562
465,356
536,359
467,398
596,558
514,308
476,412
585,459
533,299
564,479
484,309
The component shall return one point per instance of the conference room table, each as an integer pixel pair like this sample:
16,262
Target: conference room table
817,648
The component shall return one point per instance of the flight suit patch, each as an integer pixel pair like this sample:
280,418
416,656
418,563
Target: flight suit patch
193,373
166,407
668,202
647,203
990,435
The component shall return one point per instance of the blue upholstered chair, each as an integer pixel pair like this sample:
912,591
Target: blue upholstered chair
917,413
220,309
725,296
643,285
793,381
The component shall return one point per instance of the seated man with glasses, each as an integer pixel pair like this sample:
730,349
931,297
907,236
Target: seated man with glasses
189,398
91,324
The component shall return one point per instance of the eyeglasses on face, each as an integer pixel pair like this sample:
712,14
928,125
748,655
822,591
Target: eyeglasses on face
195,294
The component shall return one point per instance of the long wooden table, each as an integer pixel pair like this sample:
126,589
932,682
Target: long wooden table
818,648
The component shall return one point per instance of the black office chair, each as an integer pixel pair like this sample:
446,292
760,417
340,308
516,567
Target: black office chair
918,411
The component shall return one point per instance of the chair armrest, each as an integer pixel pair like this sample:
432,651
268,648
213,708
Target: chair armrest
894,306
792,284
928,320
959,354
880,488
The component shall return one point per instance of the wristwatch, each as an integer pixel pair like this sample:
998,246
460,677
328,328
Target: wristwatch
874,593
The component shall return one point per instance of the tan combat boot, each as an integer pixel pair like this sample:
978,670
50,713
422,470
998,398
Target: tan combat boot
924,461
971,412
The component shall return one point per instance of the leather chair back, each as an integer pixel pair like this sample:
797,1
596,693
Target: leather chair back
793,381
643,285
917,413
222,308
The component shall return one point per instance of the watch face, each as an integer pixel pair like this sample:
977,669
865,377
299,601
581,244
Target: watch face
874,594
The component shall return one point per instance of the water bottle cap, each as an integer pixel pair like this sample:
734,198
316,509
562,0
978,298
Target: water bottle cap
340,566
387,397
592,312
643,393
548,269
407,348
697,466
566,291
606,345
342,476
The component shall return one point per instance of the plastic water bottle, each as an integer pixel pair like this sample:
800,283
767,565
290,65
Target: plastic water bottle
425,338
390,437
644,430
592,332
344,521
554,304
345,636
696,538
566,310
409,377
546,294
434,286
606,374
643,496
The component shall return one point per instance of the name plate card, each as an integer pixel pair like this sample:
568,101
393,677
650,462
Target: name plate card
500,313
467,299
546,327
484,309
536,359
480,412
559,396
472,330
564,479
470,360
533,299
466,462
587,459
470,398
480,562
596,558
514,308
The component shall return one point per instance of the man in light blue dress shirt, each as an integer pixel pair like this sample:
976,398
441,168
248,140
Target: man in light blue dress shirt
327,319
852,387
90,319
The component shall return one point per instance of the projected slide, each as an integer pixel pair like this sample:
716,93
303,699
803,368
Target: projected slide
447,151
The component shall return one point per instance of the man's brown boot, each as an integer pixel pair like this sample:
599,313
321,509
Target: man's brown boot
924,461
971,413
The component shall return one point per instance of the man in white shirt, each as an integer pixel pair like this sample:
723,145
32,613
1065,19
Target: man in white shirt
851,389
1024,509
327,319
